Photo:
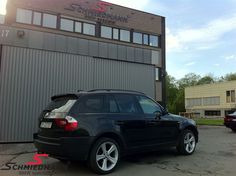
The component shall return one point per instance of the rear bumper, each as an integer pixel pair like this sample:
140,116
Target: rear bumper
231,125
71,148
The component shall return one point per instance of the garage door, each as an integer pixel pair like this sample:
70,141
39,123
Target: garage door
29,77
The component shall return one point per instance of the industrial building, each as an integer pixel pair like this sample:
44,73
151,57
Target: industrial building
55,47
211,100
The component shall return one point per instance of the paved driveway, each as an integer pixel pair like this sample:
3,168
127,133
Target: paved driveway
215,155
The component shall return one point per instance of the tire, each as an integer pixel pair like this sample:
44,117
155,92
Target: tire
101,160
233,129
187,143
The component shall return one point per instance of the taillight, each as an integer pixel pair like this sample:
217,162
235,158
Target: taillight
228,118
72,124
68,123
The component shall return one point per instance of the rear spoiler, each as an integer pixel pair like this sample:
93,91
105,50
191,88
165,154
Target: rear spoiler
74,96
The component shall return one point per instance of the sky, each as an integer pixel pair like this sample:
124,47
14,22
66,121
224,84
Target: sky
200,34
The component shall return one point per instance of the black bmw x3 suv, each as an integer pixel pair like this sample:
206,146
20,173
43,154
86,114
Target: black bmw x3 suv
100,126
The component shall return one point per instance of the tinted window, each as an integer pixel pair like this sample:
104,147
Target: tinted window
78,27
124,35
148,106
115,33
138,38
2,19
67,25
37,18
61,104
89,29
157,74
112,105
91,104
49,20
106,32
145,39
23,16
153,40
126,103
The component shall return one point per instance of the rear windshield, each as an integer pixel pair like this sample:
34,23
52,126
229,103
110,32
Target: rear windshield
63,104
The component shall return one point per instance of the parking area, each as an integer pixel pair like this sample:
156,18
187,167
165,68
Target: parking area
215,155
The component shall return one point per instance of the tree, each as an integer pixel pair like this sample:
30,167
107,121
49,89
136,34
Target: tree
230,77
171,93
208,79
190,79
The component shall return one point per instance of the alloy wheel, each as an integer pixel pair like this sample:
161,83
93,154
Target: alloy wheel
107,156
189,142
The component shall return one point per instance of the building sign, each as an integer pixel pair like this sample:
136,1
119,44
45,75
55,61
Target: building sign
98,11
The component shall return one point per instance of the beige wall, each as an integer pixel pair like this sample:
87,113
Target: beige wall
210,90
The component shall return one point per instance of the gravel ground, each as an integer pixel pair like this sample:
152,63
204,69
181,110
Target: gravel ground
215,155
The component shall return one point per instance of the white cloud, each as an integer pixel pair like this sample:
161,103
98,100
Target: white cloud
134,4
231,57
190,64
217,65
201,38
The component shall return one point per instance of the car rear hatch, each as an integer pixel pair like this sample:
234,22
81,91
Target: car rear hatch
56,121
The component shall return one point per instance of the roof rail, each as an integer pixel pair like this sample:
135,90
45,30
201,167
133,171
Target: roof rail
110,90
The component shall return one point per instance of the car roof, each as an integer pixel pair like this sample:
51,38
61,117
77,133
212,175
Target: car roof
96,91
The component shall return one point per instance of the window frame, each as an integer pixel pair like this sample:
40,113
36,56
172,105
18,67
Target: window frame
56,21
137,99
73,22
89,24
130,33
85,98
76,21
141,37
26,9
111,32
136,104
41,20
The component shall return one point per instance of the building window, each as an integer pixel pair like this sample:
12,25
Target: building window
145,39
230,96
24,16
115,34
125,35
106,32
49,20
78,27
89,29
137,38
157,74
209,101
2,19
37,18
153,40
233,96
190,102
212,113
67,25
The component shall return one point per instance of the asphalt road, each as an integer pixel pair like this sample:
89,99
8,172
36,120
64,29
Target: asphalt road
215,155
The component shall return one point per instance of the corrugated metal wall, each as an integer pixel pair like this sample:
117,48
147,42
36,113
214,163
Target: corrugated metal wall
29,77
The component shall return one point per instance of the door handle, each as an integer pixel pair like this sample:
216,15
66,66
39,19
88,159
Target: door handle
120,122
153,122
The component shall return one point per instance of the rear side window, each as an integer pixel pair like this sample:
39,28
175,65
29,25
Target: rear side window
126,103
91,104
111,106
63,104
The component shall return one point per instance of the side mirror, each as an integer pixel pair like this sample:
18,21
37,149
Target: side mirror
165,111
158,115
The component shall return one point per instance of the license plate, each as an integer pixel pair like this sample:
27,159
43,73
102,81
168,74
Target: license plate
46,124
